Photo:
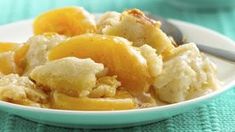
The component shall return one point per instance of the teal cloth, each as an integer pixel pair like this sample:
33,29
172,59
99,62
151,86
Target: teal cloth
217,115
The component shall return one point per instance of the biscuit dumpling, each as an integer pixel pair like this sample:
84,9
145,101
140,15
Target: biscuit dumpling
135,26
21,90
70,75
186,74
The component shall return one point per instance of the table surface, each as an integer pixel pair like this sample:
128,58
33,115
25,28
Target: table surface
217,115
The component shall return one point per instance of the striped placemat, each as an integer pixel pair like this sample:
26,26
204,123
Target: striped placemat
218,115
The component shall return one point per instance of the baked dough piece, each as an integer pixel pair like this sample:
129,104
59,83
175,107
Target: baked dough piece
105,87
187,74
38,48
136,27
154,61
21,90
72,76
108,19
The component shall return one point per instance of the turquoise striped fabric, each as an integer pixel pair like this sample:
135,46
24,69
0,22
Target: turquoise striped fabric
218,115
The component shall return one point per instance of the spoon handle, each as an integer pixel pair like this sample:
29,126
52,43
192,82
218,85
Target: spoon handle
221,53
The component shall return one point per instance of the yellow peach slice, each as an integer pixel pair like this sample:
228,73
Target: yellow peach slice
115,53
8,46
19,57
7,64
62,101
69,21
122,94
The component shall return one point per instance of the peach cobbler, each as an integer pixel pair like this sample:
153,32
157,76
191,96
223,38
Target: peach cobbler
116,62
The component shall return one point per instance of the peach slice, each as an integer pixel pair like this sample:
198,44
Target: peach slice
122,94
12,62
8,46
115,53
19,57
19,49
69,21
7,64
62,101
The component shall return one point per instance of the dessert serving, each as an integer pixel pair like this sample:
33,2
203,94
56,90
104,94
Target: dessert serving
118,61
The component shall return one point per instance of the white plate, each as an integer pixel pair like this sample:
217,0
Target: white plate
20,31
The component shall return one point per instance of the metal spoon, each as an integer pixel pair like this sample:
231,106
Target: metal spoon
177,35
